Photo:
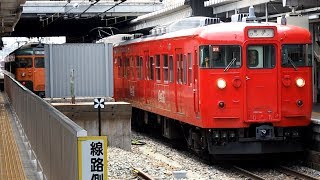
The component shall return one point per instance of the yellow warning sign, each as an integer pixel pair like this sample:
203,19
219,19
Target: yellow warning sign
92,158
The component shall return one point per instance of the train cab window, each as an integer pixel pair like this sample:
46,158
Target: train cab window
158,76
220,56
189,69
296,55
39,62
24,62
165,68
171,69
261,56
150,69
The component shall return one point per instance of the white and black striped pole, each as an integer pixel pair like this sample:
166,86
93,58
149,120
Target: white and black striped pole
99,103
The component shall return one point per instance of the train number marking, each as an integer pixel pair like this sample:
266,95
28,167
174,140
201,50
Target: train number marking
132,91
161,97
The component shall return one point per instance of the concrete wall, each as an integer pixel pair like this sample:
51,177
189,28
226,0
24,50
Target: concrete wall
115,120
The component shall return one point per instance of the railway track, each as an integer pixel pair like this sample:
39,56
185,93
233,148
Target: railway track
294,173
141,175
248,174
285,170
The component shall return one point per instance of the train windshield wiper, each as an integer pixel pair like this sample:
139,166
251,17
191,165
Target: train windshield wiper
230,64
292,63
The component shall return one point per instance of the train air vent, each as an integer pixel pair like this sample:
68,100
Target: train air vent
137,35
125,38
238,17
153,32
209,21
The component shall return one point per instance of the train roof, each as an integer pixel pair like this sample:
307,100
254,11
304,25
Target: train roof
29,49
222,31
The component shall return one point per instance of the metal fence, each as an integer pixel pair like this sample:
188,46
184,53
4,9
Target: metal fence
52,135
82,69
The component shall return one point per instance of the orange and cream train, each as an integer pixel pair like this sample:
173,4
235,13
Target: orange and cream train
27,64
226,88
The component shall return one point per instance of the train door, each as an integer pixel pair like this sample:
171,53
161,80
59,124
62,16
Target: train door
149,86
179,73
145,70
124,79
39,76
261,83
195,82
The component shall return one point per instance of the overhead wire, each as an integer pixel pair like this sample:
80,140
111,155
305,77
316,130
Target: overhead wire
102,12
47,19
97,15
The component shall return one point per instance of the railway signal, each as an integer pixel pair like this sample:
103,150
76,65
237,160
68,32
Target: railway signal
98,104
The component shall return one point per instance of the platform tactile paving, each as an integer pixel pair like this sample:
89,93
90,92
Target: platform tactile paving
11,167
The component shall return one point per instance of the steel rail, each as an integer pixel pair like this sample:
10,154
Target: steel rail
295,173
142,174
248,173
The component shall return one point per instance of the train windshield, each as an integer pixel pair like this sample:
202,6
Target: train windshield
296,55
39,62
24,62
261,56
220,56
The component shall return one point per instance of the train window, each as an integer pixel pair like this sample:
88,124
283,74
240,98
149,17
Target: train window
261,56
179,69
120,68
126,67
185,69
131,68
39,62
296,55
151,69
139,66
189,69
24,62
158,78
171,68
220,56
165,68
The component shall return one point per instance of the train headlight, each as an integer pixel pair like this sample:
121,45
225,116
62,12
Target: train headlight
300,82
221,83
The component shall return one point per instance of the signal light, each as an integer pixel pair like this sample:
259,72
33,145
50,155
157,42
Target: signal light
23,83
236,82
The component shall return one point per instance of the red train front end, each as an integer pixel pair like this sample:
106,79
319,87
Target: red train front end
257,95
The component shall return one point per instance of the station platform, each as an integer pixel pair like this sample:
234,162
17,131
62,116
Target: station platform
14,160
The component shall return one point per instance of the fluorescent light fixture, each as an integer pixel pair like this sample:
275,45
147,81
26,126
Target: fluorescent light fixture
314,16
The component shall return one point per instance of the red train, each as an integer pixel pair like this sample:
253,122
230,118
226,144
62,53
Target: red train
227,88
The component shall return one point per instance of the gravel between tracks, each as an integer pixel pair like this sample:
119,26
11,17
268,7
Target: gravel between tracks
159,161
